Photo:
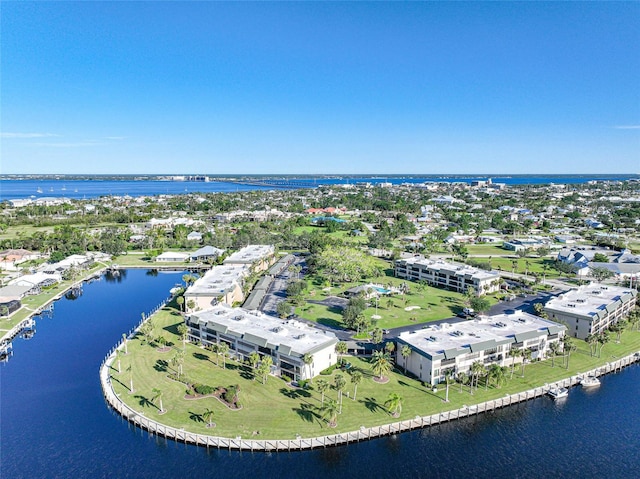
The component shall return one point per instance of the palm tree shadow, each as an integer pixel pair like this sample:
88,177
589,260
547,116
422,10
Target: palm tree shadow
201,357
172,328
119,382
144,402
295,393
161,366
371,404
195,417
402,383
307,413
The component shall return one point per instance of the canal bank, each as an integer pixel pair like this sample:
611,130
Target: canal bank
181,434
55,423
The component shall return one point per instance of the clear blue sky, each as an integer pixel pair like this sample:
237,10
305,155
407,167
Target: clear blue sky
421,88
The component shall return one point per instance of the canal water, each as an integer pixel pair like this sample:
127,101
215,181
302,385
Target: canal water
54,422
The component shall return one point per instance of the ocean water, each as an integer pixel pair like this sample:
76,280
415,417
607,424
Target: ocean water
87,189
54,422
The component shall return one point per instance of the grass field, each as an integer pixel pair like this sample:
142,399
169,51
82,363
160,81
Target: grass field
428,304
275,410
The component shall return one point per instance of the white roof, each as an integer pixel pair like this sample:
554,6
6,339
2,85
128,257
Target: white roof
588,300
290,336
250,253
35,279
218,280
500,328
172,255
452,268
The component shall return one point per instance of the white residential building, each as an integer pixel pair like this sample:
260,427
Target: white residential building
455,347
258,257
285,341
221,284
172,257
591,308
443,274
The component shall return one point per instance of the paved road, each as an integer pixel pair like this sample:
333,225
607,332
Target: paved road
277,293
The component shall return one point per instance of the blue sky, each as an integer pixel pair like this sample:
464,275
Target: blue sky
223,88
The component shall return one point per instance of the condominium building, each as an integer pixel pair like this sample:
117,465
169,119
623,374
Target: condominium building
455,347
258,257
455,276
221,284
285,341
591,308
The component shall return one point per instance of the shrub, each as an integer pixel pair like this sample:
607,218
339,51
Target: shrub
231,394
203,389
329,370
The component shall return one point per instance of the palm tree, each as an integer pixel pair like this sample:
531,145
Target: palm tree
390,347
207,415
118,355
405,352
180,301
554,347
381,364
592,341
497,373
178,360
124,343
545,268
254,359
448,376
514,353
603,338
356,378
619,328
157,395
462,379
526,356
322,385
477,369
330,412
389,303
307,359
183,331
341,349
130,371
223,349
340,382
394,404
568,347
265,368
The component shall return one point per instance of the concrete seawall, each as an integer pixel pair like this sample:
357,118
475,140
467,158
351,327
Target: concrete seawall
361,434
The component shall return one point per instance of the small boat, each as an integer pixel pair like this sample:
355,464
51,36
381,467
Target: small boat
39,190
589,382
558,393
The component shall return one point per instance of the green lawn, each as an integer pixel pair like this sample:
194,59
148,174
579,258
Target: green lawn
275,410
427,303
433,303
487,249
535,265
343,235
138,259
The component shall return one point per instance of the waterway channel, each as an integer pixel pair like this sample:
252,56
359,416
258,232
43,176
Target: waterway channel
55,423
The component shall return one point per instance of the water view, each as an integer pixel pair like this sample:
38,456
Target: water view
55,422
11,188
